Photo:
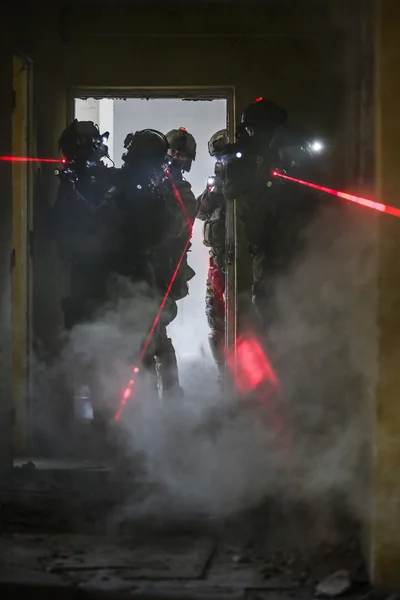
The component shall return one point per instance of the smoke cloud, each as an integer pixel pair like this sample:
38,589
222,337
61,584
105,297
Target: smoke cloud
213,457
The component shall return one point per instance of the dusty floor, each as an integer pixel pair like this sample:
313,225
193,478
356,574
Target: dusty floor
60,536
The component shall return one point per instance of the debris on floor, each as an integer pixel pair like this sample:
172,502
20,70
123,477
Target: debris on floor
57,530
335,585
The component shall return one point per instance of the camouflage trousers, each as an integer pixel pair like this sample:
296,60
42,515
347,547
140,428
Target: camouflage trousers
215,311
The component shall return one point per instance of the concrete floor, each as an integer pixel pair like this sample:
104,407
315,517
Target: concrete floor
58,536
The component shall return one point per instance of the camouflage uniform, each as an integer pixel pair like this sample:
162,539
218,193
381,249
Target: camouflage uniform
248,182
273,213
211,210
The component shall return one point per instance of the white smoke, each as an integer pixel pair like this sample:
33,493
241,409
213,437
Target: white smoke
325,342
205,455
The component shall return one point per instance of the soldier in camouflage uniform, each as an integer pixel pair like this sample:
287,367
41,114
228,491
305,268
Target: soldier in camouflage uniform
211,210
273,213
249,181
182,152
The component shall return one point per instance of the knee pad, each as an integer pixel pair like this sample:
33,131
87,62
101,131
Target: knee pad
215,313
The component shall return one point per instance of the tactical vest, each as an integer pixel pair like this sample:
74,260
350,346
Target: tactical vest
214,229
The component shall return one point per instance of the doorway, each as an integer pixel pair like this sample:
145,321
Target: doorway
21,257
202,117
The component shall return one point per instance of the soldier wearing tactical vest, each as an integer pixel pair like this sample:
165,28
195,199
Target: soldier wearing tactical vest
274,213
211,210
258,201
181,152
82,223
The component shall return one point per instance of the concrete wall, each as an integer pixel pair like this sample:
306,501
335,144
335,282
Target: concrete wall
50,120
385,530
5,256
291,56
87,109
49,107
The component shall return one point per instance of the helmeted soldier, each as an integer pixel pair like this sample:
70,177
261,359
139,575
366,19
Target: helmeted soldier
108,221
181,153
83,223
81,220
249,181
211,210
273,214
146,171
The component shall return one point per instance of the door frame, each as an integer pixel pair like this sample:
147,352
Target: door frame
189,93
22,396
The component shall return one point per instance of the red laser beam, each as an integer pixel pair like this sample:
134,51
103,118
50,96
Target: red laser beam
125,397
378,206
31,159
